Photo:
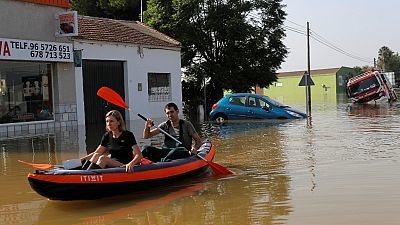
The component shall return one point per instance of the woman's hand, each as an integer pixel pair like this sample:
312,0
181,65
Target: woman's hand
193,151
137,155
129,167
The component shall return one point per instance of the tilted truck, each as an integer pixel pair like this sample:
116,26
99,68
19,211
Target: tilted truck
370,86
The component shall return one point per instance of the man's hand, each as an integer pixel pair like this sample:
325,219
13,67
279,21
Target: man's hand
146,132
149,123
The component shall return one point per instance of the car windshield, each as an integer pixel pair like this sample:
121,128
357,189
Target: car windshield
363,86
274,102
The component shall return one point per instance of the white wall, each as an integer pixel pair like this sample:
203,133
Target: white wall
28,21
136,69
80,107
391,77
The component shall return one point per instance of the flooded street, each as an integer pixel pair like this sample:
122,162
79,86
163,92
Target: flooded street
343,169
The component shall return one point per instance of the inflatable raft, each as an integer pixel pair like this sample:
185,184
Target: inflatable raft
62,184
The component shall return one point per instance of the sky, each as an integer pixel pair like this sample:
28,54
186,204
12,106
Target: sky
357,27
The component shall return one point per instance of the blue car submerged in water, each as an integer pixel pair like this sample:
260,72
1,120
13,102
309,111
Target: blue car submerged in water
245,106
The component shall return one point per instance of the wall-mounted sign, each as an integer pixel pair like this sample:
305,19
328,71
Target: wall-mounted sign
67,24
15,49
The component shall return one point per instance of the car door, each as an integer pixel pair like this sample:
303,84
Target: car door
258,108
236,108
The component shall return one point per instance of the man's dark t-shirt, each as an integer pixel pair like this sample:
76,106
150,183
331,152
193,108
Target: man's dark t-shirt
120,148
187,133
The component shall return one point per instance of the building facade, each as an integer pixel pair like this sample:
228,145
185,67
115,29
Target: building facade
149,73
34,63
48,81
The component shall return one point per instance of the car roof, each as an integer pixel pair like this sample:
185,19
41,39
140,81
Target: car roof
244,94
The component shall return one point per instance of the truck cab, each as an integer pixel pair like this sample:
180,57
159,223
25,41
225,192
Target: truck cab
370,86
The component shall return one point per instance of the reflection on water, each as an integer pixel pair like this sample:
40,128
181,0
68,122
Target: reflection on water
28,212
370,110
140,208
341,170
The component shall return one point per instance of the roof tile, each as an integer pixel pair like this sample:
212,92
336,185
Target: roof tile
132,32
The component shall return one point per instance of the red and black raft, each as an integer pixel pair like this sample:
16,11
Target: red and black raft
62,184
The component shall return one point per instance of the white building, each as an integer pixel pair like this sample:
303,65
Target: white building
149,62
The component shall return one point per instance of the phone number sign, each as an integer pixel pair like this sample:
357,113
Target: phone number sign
14,49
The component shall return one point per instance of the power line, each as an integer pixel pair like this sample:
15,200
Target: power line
296,24
317,36
327,43
340,50
295,30
314,35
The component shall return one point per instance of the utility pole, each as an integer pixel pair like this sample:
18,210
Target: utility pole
308,76
141,11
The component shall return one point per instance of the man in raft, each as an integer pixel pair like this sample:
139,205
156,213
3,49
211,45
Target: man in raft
180,129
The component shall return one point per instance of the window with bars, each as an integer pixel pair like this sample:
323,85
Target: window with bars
159,87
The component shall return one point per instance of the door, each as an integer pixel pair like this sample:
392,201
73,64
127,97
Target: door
259,109
96,74
236,109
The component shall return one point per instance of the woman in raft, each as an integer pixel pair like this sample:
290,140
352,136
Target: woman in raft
119,142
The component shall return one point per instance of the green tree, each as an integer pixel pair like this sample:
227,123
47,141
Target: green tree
394,64
114,9
388,60
384,57
362,69
235,44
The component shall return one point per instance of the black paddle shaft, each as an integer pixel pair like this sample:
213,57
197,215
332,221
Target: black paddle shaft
141,116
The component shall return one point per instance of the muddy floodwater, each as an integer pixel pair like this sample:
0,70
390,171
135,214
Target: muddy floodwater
344,168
